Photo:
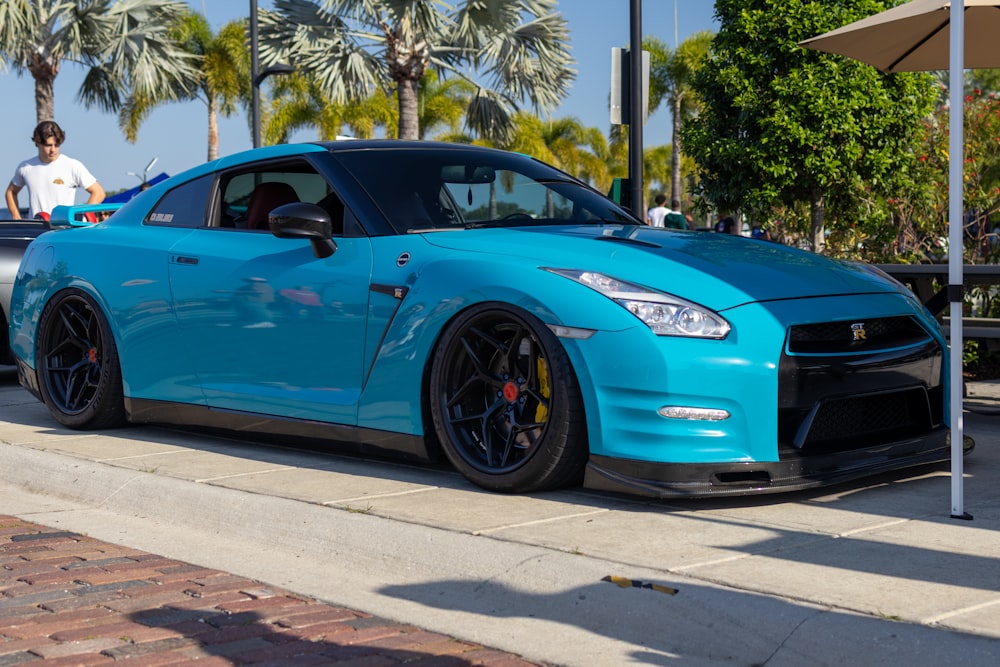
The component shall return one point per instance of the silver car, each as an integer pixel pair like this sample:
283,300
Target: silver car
15,235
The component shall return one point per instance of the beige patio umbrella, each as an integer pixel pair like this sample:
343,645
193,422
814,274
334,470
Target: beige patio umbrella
914,37
925,35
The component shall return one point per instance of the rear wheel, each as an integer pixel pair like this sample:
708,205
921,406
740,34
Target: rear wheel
79,376
505,402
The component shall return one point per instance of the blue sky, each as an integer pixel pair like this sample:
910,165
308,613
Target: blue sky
176,134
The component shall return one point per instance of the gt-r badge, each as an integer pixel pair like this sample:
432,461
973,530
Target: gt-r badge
403,259
858,331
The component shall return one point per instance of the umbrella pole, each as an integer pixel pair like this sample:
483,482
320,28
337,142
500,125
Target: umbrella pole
956,250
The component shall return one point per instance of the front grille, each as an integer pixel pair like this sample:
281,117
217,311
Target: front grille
855,335
836,396
856,422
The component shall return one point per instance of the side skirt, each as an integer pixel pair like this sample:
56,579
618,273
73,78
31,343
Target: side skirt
274,429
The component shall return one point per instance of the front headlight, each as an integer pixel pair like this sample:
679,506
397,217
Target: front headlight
665,314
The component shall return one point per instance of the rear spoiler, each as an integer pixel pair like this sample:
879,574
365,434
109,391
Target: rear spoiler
81,215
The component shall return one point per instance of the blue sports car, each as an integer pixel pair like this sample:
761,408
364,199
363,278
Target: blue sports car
422,299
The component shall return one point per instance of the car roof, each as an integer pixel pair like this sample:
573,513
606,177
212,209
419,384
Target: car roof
401,144
342,145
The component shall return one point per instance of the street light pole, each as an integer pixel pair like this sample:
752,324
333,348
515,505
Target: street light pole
144,177
257,77
254,71
635,110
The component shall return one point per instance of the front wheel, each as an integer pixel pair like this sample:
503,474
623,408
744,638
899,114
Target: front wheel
505,402
79,376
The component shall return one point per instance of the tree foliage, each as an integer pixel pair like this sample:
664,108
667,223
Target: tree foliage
981,172
511,51
565,143
783,127
124,46
298,102
671,75
221,81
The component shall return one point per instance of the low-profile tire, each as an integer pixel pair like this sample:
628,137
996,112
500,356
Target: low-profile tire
79,375
505,402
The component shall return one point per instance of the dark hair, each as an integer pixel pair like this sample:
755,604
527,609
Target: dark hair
48,129
661,199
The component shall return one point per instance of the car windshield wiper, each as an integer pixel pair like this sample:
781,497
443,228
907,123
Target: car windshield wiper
483,225
422,230
517,222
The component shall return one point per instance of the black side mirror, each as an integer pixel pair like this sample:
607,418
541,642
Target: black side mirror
300,220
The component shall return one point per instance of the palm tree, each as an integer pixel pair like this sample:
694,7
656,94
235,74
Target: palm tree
517,50
565,143
298,102
441,102
671,72
222,78
123,44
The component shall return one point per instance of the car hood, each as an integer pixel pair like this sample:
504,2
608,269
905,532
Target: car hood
719,271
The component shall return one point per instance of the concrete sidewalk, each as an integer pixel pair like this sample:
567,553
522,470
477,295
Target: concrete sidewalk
868,573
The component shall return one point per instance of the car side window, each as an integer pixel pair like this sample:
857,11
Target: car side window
183,206
249,196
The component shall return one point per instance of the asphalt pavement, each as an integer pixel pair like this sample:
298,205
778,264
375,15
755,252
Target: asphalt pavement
192,537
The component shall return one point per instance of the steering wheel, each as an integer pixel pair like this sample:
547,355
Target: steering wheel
517,215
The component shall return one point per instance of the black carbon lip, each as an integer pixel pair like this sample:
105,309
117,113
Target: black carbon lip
698,480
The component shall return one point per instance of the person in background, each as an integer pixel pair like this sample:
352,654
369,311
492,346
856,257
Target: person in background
51,178
760,232
656,215
675,220
726,225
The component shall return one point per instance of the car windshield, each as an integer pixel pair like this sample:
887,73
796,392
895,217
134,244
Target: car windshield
422,190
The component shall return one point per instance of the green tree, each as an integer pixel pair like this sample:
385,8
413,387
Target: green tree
221,81
298,103
982,80
981,173
656,175
782,125
670,77
441,102
124,46
511,51
564,143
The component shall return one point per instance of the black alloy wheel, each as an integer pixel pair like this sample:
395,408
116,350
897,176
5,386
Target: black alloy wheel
79,375
506,405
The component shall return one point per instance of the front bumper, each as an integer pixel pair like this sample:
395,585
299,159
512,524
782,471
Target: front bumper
663,480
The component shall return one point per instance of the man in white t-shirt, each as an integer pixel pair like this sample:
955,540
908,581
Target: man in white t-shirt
51,178
656,215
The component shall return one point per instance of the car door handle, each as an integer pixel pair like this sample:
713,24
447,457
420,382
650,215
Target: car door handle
181,259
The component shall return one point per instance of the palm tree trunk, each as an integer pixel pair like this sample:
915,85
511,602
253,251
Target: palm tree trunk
45,76
675,157
409,119
213,129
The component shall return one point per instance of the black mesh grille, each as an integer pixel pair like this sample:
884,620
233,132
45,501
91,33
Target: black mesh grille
861,421
855,336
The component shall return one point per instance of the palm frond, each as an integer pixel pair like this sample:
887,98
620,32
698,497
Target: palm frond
512,51
489,115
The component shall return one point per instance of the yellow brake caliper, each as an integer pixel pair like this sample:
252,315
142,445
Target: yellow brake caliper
542,411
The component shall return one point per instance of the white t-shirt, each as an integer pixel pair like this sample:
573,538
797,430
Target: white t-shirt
657,214
51,184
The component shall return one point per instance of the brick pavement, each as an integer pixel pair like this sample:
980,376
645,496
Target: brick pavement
68,599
